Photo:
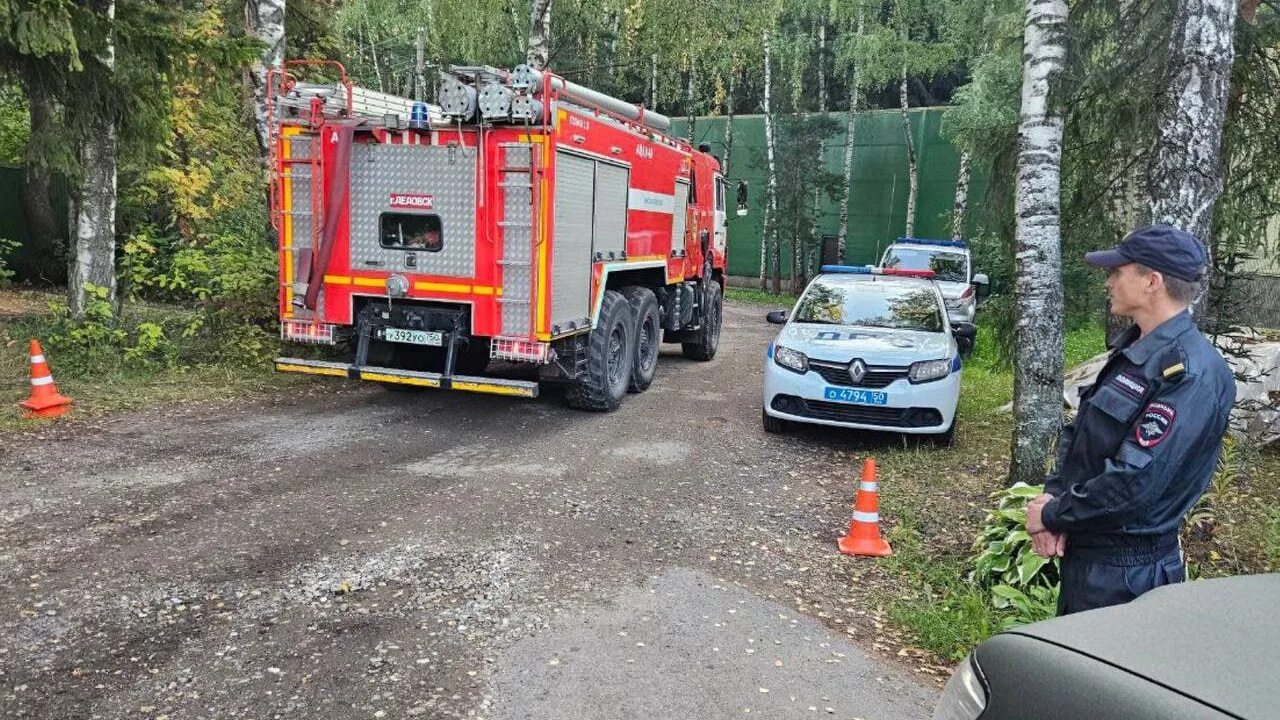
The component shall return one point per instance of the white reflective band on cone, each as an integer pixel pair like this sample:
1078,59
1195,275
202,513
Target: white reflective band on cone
37,359
869,486
46,380
860,516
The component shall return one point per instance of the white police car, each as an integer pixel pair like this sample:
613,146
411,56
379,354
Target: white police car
953,271
867,349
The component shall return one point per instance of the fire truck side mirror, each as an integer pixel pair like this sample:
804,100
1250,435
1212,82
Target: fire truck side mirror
742,197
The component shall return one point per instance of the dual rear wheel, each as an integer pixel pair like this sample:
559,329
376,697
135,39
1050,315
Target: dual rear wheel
622,350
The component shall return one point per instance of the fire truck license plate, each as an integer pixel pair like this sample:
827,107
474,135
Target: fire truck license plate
413,337
856,397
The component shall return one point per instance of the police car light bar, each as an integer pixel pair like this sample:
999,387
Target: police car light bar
942,243
874,270
908,273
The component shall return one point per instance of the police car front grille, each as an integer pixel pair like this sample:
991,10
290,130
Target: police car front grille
838,374
914,417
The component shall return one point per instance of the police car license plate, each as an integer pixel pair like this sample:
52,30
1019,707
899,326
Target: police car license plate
413,337
856,397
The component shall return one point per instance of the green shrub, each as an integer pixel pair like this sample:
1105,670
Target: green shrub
7,247
1017,578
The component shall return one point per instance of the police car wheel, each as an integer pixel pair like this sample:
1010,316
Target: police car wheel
772,425
948,438
610,353
648,335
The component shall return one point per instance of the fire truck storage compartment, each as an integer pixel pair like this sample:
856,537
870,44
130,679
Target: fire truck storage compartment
414,180
590,221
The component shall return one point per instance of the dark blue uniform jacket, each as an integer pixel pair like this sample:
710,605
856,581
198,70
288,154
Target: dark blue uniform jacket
1145,441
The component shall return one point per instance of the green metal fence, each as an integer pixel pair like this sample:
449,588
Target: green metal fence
878,200
13,220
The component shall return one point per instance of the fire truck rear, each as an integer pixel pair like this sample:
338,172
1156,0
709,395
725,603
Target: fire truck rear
525,230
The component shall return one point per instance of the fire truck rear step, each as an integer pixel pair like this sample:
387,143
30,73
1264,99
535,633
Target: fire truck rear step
467,383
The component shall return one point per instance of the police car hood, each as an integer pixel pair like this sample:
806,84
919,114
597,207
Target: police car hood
952,290
875,346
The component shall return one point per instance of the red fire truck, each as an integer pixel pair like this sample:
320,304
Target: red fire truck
524,230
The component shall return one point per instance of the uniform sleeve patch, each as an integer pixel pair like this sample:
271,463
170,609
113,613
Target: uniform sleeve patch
1154,424
1130,385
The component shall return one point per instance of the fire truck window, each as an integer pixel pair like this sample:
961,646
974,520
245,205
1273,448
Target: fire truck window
402,231
719,194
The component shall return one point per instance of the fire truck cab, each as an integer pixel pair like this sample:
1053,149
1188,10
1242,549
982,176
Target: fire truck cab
524,230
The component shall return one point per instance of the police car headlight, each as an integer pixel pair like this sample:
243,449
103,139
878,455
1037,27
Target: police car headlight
793,360
965,696
929,370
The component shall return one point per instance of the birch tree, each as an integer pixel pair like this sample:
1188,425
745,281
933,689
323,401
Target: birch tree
1186,170
961,205
913,170
855,97
1038,329
264,20
770,231
539,47
93,212
913,174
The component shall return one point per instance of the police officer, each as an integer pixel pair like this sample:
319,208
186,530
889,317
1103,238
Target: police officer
1145,441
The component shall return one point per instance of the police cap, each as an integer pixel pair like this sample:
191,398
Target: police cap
1160,247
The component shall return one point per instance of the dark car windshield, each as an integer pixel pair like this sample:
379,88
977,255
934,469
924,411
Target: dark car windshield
948,266
871,303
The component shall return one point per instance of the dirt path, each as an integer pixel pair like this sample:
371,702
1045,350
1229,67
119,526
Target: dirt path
354,553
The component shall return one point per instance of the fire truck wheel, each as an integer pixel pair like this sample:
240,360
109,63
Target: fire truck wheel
611,349
648,336
708,333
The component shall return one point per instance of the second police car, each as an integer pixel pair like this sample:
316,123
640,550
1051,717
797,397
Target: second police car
869,349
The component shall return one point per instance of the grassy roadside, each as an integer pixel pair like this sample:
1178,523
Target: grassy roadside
933,502
128,370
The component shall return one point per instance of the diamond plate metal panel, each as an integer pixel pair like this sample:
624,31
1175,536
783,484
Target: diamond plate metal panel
610,234
447,174
571,245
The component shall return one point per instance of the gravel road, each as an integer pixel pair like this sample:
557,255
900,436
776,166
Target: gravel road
346,552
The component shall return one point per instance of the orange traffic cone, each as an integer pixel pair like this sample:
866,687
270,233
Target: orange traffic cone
45,400
864,531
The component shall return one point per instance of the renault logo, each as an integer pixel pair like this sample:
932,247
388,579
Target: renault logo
857,370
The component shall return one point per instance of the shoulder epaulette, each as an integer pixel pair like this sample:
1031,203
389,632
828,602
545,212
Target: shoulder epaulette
1171,365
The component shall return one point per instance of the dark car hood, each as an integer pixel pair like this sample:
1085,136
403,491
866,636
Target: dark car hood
1215,640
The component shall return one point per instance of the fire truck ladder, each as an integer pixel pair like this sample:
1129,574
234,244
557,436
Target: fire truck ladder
302,167
519,238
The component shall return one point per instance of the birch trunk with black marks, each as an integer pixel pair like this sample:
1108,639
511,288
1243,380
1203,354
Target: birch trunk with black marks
819,148
690,104
770,230
653,81
913,177
1037,392
855,95
728,126
1186,172
963,175
539,47
93,209
265,22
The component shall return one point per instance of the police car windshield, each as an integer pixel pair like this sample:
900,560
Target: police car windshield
876,303
947,266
